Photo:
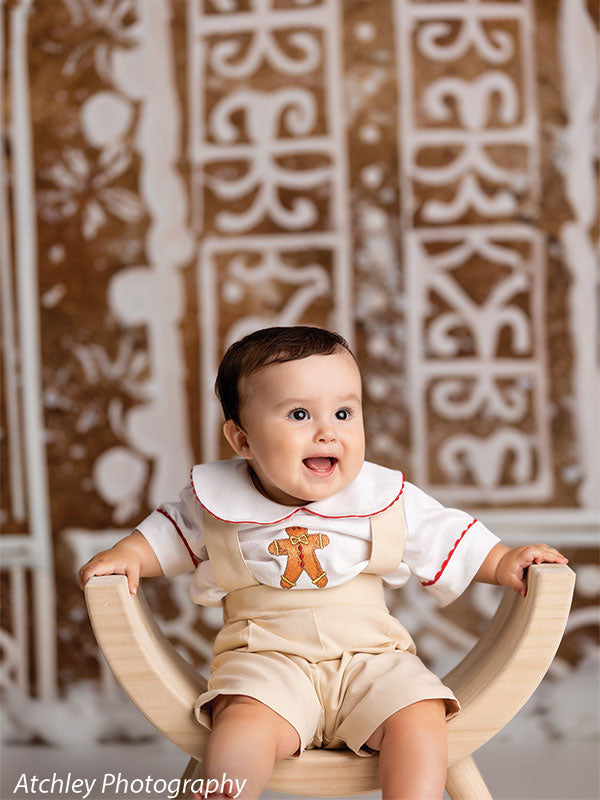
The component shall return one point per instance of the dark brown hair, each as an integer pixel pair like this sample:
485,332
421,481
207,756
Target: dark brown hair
269,346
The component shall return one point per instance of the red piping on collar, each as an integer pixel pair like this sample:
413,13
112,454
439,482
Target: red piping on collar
183,539
295,511
450,554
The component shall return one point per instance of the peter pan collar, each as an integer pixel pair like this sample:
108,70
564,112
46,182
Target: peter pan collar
226,490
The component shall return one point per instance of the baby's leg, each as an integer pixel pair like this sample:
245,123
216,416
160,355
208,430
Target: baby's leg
413,752
246,739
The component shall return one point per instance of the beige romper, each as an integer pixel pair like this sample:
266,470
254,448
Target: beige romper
333,662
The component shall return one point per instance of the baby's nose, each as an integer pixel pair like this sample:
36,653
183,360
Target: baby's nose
325,434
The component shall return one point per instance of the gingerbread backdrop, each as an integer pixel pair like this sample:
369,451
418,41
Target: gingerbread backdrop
419,175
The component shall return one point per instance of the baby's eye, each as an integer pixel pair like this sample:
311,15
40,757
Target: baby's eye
343,414
299,414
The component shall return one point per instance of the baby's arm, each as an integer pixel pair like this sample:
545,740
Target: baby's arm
132,556
507,566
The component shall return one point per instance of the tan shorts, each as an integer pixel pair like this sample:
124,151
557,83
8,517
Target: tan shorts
335,671
330,703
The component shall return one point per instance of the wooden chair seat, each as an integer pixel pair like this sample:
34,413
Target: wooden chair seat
492,682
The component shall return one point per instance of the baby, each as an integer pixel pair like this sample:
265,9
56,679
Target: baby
296,540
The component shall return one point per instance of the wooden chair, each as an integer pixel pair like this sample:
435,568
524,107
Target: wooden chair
492,682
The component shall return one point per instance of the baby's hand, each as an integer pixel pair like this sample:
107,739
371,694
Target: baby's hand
511,567
118,560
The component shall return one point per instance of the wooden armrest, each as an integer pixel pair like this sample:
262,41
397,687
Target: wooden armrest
492,682
161,683
497,677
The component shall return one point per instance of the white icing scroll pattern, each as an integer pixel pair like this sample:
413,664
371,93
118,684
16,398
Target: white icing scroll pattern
312,282
469,115
475,356
294,109
495,48
484,363
473,100
269,174
264,47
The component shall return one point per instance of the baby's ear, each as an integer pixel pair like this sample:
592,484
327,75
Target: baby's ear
237,438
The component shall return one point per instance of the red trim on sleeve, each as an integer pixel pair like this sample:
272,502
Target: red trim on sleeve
183,539
450,554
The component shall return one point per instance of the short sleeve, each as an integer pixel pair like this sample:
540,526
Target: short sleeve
174,531
444,547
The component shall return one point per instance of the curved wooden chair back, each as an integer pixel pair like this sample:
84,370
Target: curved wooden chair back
492,682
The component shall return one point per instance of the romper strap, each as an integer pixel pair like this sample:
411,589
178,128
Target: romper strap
388,534
227,564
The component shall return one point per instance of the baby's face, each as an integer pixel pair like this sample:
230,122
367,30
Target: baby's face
302,426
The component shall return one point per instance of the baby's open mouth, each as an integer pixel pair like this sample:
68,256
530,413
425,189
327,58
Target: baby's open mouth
321,464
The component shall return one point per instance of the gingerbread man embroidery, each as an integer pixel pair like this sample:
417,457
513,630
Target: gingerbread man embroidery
301,557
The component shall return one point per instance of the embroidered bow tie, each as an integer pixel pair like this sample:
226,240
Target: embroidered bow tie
302,538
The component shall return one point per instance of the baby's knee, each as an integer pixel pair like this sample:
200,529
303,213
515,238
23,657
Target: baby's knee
425,716
247,713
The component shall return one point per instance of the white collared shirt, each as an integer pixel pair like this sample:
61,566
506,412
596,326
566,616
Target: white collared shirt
444,547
